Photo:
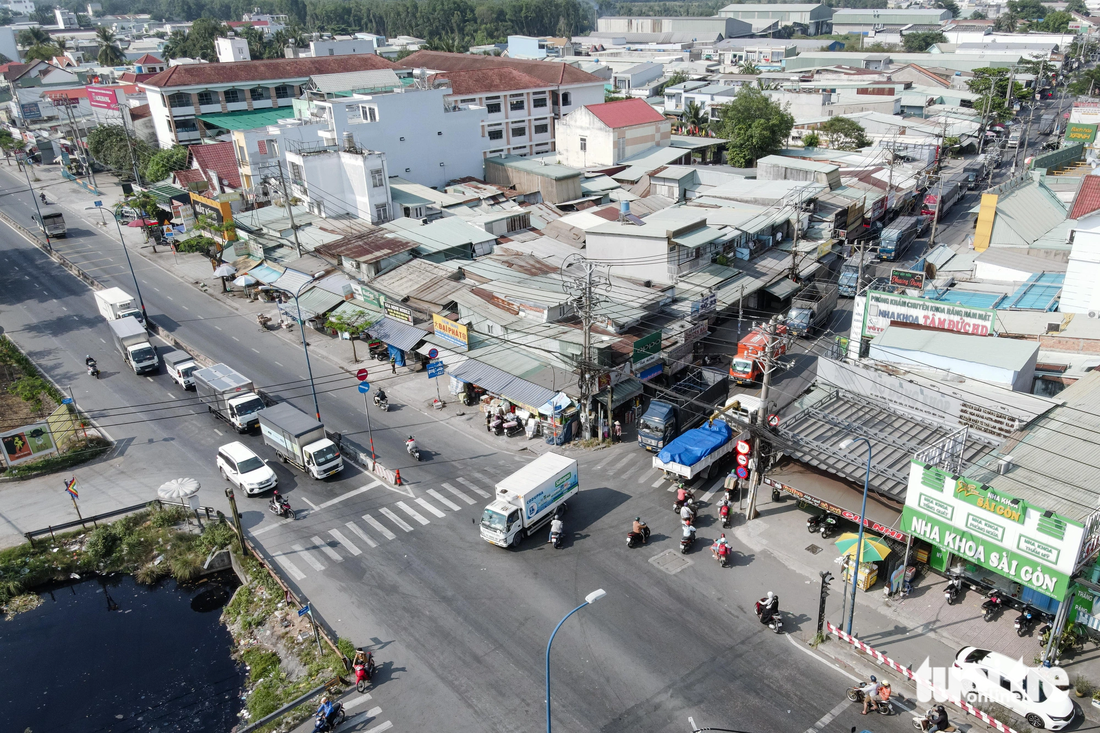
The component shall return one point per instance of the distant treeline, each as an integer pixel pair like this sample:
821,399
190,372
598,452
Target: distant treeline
673,9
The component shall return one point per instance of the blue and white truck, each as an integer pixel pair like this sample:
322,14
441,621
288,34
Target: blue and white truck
527,499
682,406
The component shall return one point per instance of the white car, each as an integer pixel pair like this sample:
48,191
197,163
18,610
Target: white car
1027,691
244,469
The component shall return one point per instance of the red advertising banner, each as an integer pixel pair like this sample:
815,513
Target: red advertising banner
103,97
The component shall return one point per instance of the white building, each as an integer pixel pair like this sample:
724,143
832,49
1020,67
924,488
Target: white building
65,18
19,7
232,49
1081,293
816,18
604,134
349,182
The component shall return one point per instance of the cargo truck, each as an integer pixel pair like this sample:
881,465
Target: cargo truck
299,439
50,220
132,342
897,237
811,308
682,406
1046,123
748,366
527,499
974,172
229,395
940,198
849,274
115,303
696,451
180,366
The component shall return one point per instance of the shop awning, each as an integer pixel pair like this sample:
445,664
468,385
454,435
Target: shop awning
397,334
265,274
446,354
783,289
840,499
314,302
625,390
500,382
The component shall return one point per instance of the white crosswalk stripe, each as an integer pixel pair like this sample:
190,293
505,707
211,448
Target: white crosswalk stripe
345,542
309,558
411,512
374,712
397,520
627,459
381,727
326,549
458,493
443,500
361,534
378,526
658,482
474,488
605,461
290,567
431,509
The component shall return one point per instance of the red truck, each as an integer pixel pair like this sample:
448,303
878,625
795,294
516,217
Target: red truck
748,366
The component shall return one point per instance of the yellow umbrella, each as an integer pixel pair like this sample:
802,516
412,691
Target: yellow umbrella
874,549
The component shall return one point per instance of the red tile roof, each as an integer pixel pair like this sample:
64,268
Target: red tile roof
131,77
625,113
550,72
218,157
140,112
188,175
251,72
480,81
148,59
1088,198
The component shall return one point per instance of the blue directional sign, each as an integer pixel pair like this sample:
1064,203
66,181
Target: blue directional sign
303,610
364,387
98,203
435,369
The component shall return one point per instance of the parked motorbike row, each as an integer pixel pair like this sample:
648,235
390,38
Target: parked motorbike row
993,606
510,425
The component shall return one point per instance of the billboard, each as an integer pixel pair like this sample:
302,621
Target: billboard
27,443
647,349
450,331
882,309
1078,132
103,98
907,279
30,111
398,312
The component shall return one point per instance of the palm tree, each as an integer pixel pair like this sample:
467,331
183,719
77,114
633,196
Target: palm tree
109,52
748,67
35,36
694,115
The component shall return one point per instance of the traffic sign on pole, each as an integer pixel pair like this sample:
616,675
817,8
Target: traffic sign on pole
433,353
742,459
773,420
435,369
743,446
364,387
742,472
303,610
361,375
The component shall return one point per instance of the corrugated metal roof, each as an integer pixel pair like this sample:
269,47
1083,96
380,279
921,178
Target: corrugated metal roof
356,81
999,352
502,383
968,298
783,289
316,301
1041,292
698,237
292,281
395,333
265,274
1025,214
357,309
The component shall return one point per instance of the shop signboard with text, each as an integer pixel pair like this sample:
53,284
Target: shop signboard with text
992,529
647,350
450,331
882,309
398,312
103,97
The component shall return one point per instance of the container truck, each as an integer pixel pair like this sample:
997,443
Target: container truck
300,440
180,366
682,406
1046,123
115,303
974,171
528,498
696,451
897,237
946,195
811,308
50,220
132,342
229,395
748,366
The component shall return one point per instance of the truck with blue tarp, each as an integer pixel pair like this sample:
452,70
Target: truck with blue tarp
528,498
681,406
693,453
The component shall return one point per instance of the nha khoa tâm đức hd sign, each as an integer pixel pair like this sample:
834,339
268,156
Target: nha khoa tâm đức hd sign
882,309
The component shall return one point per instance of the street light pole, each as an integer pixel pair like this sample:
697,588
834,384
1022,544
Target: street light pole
133,274
862,519
34,200
588,601
305,347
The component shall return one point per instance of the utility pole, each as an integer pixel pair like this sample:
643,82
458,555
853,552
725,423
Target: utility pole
985,115
859,270
582,289
289,211
939,199
1031,113
761,416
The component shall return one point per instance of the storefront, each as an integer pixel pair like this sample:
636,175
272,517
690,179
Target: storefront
502,392
623,397
399,337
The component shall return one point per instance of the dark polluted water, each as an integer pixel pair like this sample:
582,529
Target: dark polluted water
109,655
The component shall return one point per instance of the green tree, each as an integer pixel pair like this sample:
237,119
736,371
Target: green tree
8,143
978,15
355,326
748,67
162,163
34,37
1077,6
110,146
1006,23
109,52
198,43
1028,9
811,140
1056,21
754,125
992,85
844,133
920,42
694,115
1086,83
949,5
42,53
146,204
199,244
678,78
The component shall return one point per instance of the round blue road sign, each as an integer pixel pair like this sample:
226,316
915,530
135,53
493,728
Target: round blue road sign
742,472
433,353
364,387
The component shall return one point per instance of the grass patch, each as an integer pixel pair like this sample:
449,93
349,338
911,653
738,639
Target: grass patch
79,452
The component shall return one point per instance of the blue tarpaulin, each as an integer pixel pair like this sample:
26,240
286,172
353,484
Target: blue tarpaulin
696,444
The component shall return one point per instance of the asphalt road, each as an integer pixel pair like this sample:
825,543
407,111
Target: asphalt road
455,621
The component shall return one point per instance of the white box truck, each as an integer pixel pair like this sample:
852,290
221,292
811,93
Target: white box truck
180,366
526,500
115,303
229,395
300,440
132,342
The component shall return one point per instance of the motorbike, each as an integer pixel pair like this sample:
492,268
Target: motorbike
689,501
953,589
512,426
469,399
992,606
1025,621
93,370
775,623
882,707
826,524
725,515
496,425
723,555
364,671
412,450
323,726
924,722
686,543
637,538
280,506
43,197
382,403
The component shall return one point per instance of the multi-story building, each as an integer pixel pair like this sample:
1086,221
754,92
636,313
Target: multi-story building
816,18
345,182
65,19
19,7
184,99
605,134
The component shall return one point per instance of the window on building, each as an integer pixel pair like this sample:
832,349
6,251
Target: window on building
566,99
496,134
542,129
316,207
584,144
205,98
493,108
370,114
516,105
332,52
282,91
258,94
296,173
471,100
519,132
187,126
538,102
622,147
381,212
376,178
179,100
232,96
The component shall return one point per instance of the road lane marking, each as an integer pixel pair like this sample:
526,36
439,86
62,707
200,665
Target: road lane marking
379,728
430,508
345,542
235,338
218,327
412,512
350,494
313,562
288,566
169,297
829,717
823,660
256,350
658,482
458,493
218,431
103,341
185,307
325,548
278,364
483,477
358,701
443,500
150,379
374,712
171,395
396,520
473,488
362,535
312,506
379,527
269,527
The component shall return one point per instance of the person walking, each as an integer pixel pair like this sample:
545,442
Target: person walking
393,365
618,432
